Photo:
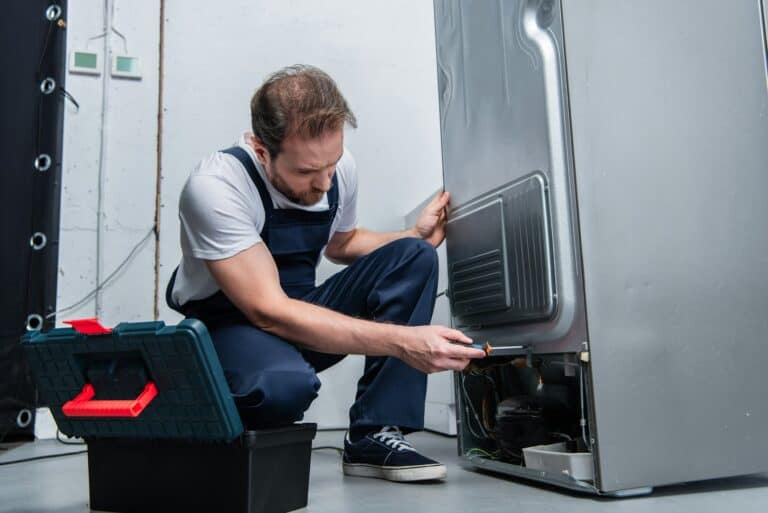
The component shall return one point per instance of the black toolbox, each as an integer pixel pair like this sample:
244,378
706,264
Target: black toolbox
162,429
262,471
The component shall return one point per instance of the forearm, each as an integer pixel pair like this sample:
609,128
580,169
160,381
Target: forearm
323,330
364,242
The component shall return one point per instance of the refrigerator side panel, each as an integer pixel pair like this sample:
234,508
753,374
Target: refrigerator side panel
669,109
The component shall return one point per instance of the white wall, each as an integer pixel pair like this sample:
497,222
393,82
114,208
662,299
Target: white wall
382,56
130,167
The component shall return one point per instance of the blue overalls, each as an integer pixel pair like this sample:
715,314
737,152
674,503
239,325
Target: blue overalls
273,381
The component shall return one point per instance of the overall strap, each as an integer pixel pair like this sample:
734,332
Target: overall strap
247,162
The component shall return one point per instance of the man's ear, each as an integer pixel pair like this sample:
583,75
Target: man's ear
262,153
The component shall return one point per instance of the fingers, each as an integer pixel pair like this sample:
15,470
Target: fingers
456,335
457,350
466,353
440,201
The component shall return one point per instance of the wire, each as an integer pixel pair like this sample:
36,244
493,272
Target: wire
107,280
45,457
125,39
477,451
463,388
69,97
564,436
329,447
51,24
109,7
112,29
582,400
441,293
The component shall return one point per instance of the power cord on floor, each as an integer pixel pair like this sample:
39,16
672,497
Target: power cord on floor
48,456
44,457
329,447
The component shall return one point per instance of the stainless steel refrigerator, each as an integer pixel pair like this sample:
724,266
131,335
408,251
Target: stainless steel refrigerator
608,236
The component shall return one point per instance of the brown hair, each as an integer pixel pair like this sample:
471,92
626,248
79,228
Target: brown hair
299,99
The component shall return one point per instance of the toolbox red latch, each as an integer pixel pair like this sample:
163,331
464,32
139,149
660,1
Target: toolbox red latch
88,326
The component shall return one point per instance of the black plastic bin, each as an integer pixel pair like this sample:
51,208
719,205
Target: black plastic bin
265,471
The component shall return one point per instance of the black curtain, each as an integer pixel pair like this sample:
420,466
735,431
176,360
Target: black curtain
32,96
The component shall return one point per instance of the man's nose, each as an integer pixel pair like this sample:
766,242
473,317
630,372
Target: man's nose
324,184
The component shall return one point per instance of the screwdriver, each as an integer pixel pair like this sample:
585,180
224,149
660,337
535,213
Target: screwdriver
487,348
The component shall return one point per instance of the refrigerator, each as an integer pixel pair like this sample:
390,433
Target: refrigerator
608,237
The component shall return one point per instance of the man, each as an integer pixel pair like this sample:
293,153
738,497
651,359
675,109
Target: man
255,219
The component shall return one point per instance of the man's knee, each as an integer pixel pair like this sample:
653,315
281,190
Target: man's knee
420,255
279,396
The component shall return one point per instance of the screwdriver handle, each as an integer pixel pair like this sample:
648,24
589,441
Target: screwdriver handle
486,348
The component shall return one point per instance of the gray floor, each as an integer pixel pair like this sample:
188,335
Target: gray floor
61,486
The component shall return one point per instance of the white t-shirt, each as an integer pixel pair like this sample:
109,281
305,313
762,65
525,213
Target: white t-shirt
221,214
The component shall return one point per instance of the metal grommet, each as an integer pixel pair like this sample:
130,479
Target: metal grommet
53,12
24,418
43,162
48,86
34,322
38,241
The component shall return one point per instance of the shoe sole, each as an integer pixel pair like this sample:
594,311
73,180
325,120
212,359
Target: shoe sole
398,474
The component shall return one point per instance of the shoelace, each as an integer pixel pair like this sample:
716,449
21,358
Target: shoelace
391,436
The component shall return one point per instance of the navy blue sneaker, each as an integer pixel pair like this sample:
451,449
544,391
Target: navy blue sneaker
386,454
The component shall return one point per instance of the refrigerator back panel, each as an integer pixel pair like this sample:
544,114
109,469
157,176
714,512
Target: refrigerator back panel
513,253
500,254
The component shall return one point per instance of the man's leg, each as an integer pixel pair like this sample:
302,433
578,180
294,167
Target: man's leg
271,382
396,283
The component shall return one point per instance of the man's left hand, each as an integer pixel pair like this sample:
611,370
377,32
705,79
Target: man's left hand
431,223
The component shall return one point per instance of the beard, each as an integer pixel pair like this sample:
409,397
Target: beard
301,198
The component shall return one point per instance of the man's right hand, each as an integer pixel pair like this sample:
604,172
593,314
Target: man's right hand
433,349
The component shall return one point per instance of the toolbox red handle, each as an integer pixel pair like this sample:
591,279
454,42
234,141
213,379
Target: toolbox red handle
83,406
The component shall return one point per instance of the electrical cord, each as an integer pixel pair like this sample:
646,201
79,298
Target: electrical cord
44,457
329,447
69,97
108,279
339,450
49,456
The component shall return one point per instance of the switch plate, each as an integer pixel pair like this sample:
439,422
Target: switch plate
86,63
126,66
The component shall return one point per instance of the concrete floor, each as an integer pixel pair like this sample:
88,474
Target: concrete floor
60,485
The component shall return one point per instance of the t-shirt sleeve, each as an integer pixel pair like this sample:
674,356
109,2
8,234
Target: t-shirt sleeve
216,220
348,172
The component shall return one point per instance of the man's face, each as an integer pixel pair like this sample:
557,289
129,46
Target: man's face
304,168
